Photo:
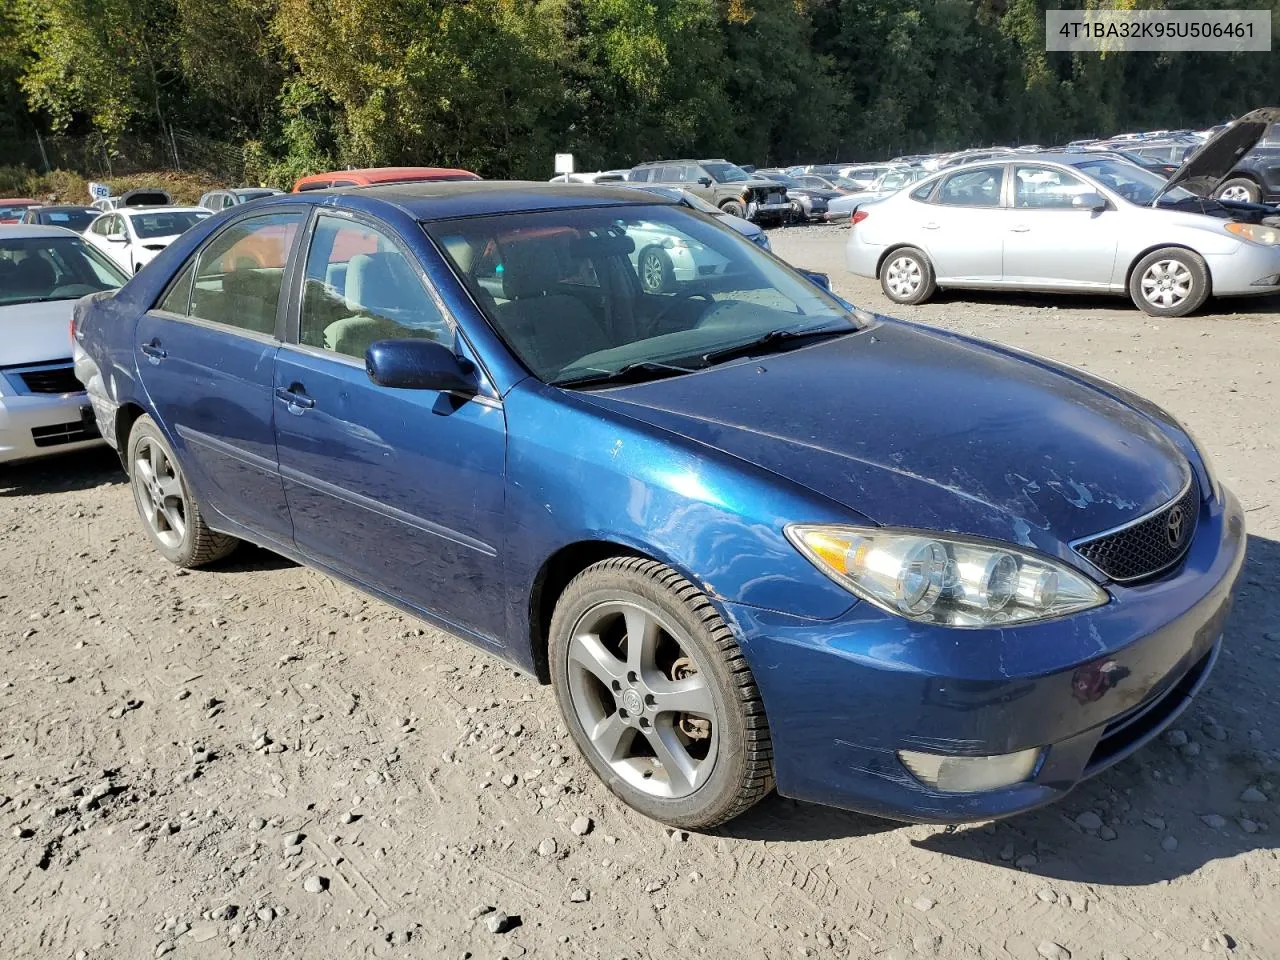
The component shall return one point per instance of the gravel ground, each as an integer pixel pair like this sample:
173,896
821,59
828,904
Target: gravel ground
256,761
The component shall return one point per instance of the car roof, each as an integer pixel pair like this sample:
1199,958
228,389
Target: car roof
46,207
28,231
372,175
446,199
158,208
16,201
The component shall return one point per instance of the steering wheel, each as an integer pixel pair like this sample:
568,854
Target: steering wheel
676,300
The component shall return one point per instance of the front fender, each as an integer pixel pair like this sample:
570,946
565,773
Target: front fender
579,473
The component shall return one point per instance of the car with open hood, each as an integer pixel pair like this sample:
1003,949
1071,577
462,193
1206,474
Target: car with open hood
1076,222
749,534
43,407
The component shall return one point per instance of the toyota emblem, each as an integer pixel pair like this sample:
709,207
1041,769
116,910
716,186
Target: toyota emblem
1174,526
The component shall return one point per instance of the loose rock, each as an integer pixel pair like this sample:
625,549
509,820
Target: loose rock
579,895
1169,844
547,848
1213,821
1253,795
581,827
1089,821
315,884
1053,951
497,922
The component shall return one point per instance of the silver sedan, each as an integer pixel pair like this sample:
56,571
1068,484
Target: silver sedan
1071,222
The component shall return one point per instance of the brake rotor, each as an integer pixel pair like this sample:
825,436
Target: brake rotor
693,727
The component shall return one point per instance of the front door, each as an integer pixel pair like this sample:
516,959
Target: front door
205,356
400,490
1052,243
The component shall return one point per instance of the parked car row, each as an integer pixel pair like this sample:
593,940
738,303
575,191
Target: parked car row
1084,221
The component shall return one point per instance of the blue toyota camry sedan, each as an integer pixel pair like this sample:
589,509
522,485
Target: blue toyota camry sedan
749,534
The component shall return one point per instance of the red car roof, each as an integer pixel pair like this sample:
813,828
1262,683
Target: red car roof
16,202
372,175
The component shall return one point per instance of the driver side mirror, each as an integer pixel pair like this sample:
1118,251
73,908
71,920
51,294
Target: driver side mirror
419,365
705,181
1089,201
117,238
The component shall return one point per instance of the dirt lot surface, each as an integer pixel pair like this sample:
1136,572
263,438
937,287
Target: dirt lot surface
256,761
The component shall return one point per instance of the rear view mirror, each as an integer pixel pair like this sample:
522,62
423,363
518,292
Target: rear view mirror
418,365
1089,201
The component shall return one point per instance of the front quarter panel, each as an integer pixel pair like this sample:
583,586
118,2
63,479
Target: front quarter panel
579,473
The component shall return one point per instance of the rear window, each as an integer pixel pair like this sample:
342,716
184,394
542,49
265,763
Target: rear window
315,185
165,223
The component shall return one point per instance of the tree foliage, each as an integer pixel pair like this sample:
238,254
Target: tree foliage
499,85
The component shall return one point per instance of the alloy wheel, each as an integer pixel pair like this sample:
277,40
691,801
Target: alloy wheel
646,709
159,492
1166,283
652,273
1235,192
903,276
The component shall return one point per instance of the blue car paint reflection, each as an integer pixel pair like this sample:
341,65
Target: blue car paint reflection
463,511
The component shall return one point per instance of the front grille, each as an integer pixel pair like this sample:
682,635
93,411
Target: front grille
52,380
1150,546
61,433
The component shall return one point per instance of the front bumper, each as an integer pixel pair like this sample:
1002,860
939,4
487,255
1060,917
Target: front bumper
42,425
844,696
1250,270
768,211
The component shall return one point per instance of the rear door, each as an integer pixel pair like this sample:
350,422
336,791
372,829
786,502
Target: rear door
1050,242
400,490
963,227
206,356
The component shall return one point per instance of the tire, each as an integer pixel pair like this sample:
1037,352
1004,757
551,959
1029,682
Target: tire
656,272
1169,282
1239,188
906,276
719,756
734,208
169,511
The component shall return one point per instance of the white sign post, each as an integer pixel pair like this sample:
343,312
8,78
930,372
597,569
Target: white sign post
99,191
564,164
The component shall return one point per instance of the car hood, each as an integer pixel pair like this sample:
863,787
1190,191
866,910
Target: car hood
814,192
1213,160
922,429
760,183
35,332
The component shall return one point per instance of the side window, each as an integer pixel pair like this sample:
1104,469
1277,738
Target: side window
178,298
361,287
923,192
973,188
240,271
1043,188
227,201
640,176
690,174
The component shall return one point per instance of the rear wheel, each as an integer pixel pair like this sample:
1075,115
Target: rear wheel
656,273
1171,282
657,695
1241,189
168,509
907,276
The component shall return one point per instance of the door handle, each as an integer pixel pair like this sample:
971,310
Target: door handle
296,397
1020,228
153,351
931,226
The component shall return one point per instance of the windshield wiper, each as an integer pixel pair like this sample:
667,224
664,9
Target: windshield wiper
631,373
774,340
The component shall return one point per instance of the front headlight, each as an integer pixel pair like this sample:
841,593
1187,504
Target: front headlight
1256,232
942,579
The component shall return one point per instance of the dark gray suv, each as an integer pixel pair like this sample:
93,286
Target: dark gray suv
724,184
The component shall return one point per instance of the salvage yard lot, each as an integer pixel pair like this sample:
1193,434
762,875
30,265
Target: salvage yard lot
167,736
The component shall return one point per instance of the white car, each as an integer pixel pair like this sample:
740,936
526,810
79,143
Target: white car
663,258
43,272
132,236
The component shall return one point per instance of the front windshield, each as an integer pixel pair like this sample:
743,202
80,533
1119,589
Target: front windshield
247,195
1136,184
53,268
582,293
844,183
76,220
165,223
791,183
726,172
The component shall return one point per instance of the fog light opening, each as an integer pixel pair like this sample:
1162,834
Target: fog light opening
949,774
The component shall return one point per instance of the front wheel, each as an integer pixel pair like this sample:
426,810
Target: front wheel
657,694
733,208
1171,282
168,509
1241,189
907,276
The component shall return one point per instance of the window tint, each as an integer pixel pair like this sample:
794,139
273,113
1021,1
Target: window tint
973,188
1044,188
239,274
315,185
640,176
179,296
923,192
164,223
360,287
